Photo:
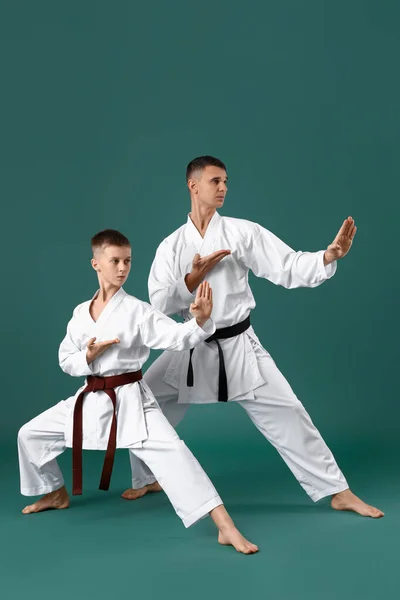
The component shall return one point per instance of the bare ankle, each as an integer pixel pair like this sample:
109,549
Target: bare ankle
221,518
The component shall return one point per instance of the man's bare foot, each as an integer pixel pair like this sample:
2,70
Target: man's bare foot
228,535
57,500
233,537
346,500
133,494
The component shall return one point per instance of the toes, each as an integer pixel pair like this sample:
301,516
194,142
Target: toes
133,494
248,548
129,495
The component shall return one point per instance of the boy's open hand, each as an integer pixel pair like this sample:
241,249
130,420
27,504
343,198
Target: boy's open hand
95,350
202,306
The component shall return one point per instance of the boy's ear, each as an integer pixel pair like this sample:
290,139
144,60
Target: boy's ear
94,264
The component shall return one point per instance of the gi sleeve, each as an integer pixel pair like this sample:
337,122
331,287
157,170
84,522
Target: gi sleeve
167,293
268,257
71,358
162,333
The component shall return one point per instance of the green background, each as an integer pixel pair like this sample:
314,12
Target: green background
102,106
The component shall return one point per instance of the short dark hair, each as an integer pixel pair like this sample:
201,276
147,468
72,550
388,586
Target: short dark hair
201,162
109,237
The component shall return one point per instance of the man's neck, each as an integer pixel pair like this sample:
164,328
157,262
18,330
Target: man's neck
201,217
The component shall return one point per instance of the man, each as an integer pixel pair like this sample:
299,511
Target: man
108,341
233,365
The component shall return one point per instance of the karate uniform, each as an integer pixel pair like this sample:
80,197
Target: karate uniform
254,381
141,425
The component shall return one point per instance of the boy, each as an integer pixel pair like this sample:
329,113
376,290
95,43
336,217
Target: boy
108,341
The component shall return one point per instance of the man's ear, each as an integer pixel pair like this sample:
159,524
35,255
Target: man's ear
95,264
192,185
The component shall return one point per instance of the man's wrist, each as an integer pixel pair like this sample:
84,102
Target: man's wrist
328,258
191,282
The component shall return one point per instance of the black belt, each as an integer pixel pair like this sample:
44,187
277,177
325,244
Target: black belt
220,334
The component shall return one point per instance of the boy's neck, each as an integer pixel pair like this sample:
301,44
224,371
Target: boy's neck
106,292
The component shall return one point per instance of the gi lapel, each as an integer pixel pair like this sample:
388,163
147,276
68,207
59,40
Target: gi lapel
108,310
207,244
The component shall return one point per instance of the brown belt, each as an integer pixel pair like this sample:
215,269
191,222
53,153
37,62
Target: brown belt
95,384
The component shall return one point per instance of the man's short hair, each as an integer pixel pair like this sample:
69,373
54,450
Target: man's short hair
200,163
109,237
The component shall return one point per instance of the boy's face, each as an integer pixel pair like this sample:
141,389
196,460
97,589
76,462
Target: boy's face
112,264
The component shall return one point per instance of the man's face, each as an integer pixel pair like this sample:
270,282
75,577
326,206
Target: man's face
209,186
112,264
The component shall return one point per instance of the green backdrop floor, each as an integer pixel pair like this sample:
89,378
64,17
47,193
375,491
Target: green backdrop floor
105,547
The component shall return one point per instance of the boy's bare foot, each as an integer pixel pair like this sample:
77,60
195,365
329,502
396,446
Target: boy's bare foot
228,534
133,494
346,500
57,500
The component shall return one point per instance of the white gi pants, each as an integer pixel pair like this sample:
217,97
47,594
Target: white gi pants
277,414
187,486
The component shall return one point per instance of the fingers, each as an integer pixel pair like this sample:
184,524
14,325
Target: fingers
216,257
90,342
343,229
349,226
202,290
206,290
218,254
212,259
199,292
107,343
111,342
196,259
353,233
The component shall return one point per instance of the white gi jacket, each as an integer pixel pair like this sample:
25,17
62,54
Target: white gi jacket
252,248
138,327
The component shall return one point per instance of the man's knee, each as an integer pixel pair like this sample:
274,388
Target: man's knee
24,433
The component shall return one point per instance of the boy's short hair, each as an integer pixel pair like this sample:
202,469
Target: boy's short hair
108,237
